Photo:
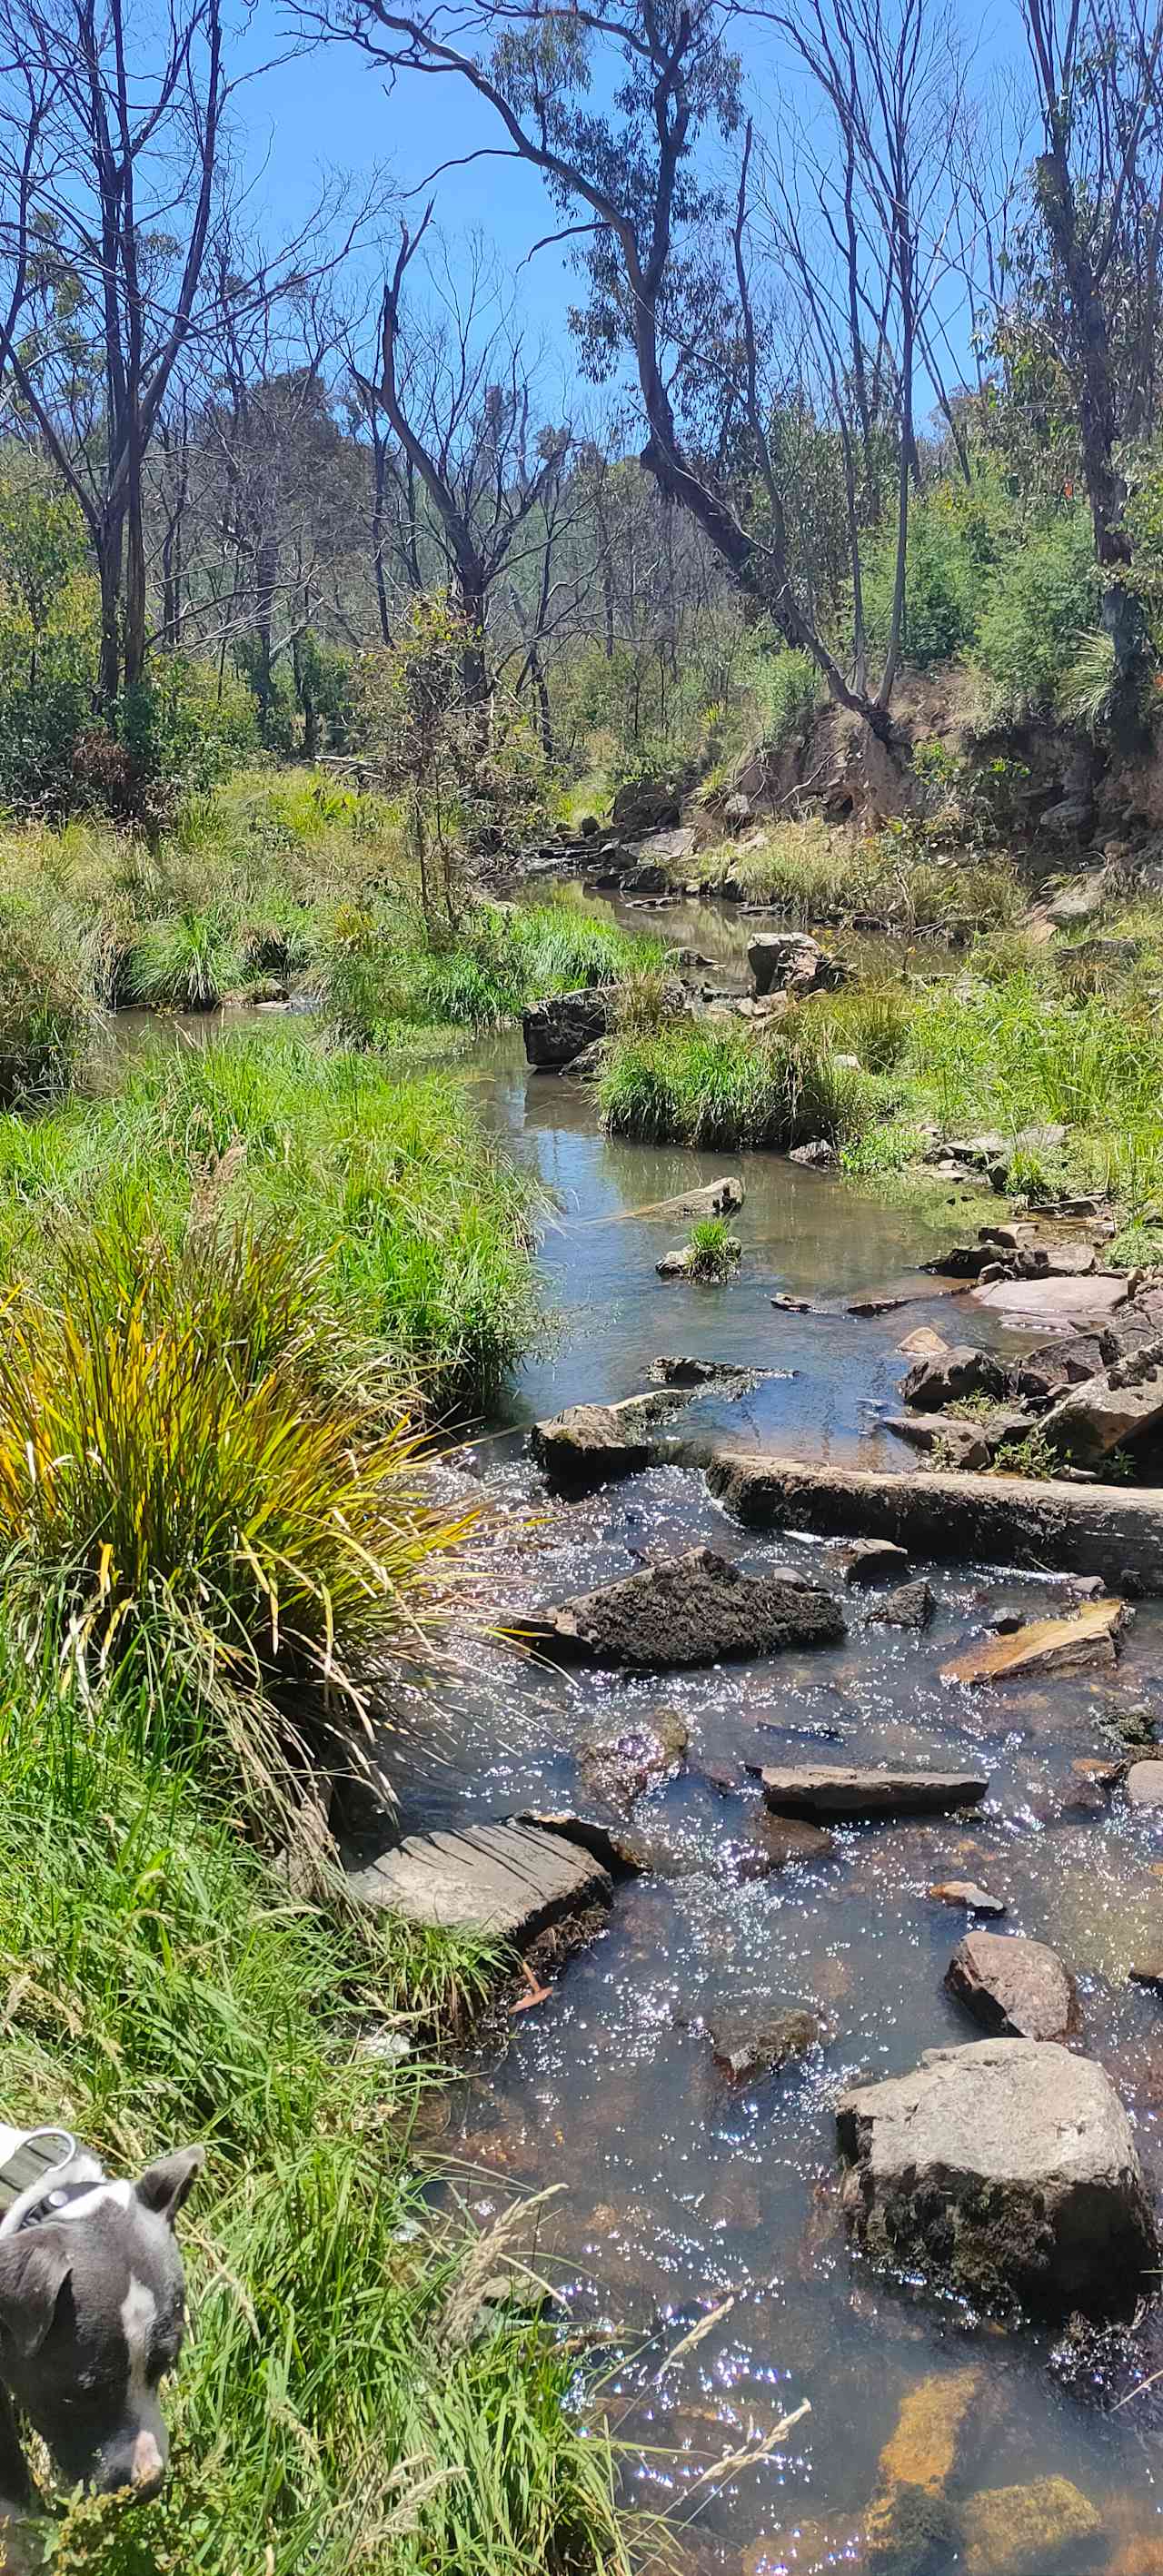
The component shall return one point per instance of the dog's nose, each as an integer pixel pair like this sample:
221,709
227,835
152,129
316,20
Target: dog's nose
147,2465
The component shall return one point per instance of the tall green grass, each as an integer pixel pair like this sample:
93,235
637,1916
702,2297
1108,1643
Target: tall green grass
344,2403
48,1014
380,968
734,1087
422,1235
814,874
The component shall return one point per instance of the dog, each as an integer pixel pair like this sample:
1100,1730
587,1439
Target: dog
92,2314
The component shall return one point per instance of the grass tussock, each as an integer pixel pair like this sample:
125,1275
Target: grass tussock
731,1086
713,1250
330,2410
184,1500
48,1008
379,970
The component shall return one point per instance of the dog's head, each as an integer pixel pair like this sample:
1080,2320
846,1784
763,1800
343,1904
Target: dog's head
91,2319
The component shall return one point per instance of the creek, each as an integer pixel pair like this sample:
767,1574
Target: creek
683,2192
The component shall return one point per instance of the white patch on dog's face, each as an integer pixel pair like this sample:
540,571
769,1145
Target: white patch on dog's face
114,2195
138,2318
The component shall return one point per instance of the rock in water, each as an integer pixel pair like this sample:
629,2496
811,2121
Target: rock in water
922,2451
1145,1785
966,1892
511,1880
1016,1988
557,1029
692,1609
748,2043
1005,2171
1044,2529
789,1842
962,1372
869,1560
590,1444
621,1765
910,1606
835,1789
790,961
1045,1646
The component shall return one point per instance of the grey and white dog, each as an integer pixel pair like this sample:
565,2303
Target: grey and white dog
92,2312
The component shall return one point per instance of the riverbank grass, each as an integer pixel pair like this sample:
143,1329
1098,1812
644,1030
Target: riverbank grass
342,2402
727,1084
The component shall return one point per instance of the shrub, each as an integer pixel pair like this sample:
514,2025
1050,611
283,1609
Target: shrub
185,961
183,1496
788,689
1045,594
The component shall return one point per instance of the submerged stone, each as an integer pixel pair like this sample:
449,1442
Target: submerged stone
1044,2529
590,1444
750,2041
910,1606
625,1761
922,2450
966,1892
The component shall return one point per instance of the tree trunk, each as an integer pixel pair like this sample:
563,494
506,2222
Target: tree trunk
109,576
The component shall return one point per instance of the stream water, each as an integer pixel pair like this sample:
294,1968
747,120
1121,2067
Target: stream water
681,2194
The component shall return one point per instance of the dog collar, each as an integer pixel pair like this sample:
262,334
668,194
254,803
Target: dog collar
30,2162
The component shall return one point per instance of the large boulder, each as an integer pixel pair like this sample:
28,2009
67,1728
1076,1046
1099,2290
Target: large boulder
790,961
1048,1372
693,1609
962,1372
1016,1988
564,1024
647,805
1005,2171
1114,1411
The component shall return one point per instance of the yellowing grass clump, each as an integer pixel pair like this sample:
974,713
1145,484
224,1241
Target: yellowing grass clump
184,1495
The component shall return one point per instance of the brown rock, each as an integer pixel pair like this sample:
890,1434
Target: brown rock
922,2450
749,2041
790,1842
1016,1989
942,1437
691,1609
910,1606
1056,1302
1046,1646
622,1763
1145,1785
869,1560
833,1789
966,1892
1107,1413
1044,2529
923,1345
962,1372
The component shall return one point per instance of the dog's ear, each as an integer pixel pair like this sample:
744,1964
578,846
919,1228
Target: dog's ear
33,2271
164,2186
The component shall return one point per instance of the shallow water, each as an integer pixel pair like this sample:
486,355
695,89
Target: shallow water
682,2192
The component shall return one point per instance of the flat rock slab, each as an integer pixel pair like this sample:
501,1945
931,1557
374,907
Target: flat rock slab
1115,1531
699,1608
1017,1989
510,1880
1055,1303
1005,2171
1045,1646
839,1789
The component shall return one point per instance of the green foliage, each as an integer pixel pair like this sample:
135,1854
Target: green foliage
184,961
47,1014
186,1499
1045,595
1087,690
729,1086
381,967
712,1250
788,688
